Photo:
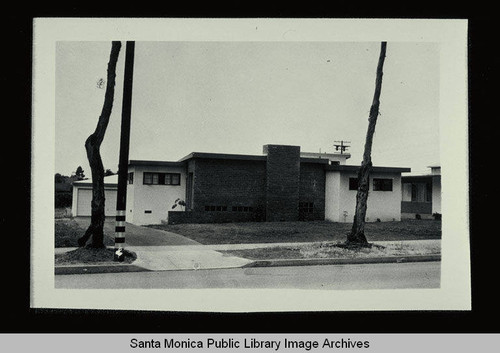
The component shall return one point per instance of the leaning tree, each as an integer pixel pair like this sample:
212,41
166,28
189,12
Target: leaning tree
92,147
357,237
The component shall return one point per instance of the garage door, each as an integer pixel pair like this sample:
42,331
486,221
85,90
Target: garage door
84,200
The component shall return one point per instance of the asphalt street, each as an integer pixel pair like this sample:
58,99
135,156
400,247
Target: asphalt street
337,277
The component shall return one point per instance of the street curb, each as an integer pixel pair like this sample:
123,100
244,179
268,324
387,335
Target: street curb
117,268
338,261
86,269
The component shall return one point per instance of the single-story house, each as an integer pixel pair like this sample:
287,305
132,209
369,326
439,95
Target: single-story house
421,194
281,184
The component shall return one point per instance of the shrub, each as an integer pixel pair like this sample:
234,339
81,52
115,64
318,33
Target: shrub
417,216
63,199
179,202
437,216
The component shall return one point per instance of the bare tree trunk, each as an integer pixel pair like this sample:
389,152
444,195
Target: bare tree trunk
92,146
357,234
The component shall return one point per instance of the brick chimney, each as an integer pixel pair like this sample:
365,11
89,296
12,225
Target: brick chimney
282,182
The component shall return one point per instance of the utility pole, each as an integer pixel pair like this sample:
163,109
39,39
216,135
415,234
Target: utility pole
121,202
341,146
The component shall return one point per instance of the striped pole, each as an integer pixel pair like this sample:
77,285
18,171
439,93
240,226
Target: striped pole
121,201
120,236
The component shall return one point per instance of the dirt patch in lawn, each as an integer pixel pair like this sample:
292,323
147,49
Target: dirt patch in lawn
332,250
317,231
92,256
67,231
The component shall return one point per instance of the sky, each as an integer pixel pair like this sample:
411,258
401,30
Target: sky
235,97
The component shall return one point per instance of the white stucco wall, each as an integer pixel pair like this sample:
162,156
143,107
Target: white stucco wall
129,215
158,199
332,189
436,194
74,201
340,202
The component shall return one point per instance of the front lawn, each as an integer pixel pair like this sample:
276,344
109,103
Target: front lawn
67,232
278,232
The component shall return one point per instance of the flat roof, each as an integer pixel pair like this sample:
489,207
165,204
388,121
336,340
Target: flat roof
355,168
110,180
262,158
206,155
417,178
244,157
155,163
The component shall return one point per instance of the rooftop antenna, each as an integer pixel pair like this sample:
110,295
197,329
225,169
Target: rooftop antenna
339,145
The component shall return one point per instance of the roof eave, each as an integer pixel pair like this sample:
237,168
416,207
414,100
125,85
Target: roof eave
376,169
132,163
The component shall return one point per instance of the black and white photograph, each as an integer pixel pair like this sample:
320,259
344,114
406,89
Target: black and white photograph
250,165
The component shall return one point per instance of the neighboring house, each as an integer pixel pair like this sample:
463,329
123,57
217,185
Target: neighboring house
384,196
421,194
282,184
82,197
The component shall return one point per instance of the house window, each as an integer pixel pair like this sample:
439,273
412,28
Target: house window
306,207
354,184
130,178
175,179
428,192
162,178
380,184
216,208
421,192
148,178
414,192
242,209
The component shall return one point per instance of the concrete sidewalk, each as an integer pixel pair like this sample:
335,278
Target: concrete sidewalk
160,258
189,257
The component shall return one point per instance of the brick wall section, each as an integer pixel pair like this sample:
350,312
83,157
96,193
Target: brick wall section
226,182
282,182
312,189
191,166
211,217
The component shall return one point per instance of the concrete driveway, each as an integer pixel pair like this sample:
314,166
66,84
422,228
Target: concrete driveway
141,236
